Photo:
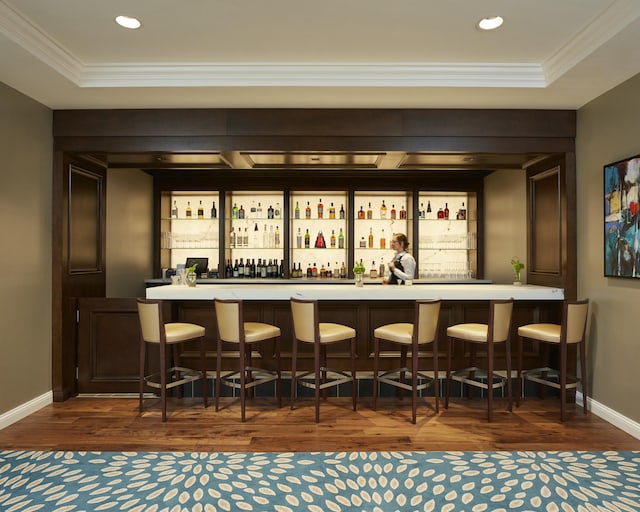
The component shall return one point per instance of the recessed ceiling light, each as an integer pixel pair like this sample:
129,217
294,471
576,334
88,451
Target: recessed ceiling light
490,23
128,22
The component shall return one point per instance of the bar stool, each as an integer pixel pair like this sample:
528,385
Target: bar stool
572,331
423,331
308,329
231,328
153,330
498,330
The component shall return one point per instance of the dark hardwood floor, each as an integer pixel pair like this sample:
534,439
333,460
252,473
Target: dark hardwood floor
114,424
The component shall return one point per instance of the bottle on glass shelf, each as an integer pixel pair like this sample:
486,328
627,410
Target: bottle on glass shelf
446,210
309,270
314,271
403,213
320,242
383,240
393,212
342,211
214,211
253,211
329,271
383,210
259,210
265,237
462,213
236,270
272,238
440,213
361,213
200,211
307,239
299,239
254,237
428,212
363,243
232,239
307,211
277,212
228,270
336,272
369,212
421,214
296,211
241,212
332,240
187,212
341,239
320,208
234,211
343,270
277,238
245,239
370,244
323,272
381,269
332,211
174,210
270,212
373,273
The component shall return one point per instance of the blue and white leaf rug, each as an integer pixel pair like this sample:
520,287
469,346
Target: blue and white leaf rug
319,482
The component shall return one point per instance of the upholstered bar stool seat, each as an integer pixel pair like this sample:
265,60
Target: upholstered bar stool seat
571,331
497,331
231,328
423,331
308,329
154,331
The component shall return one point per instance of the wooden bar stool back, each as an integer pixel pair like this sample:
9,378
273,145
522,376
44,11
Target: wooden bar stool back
231,328
423,331
572,331
308,329
153,331
498,330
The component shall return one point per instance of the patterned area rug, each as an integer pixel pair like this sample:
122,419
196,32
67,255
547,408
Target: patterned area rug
319,482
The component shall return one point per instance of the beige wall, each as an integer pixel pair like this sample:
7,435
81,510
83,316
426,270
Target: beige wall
129,232
25,254
608,130
505,224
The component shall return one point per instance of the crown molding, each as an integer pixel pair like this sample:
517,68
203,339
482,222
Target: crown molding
611,22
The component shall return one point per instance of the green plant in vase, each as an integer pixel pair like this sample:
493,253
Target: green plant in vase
191,275
517,267
358,272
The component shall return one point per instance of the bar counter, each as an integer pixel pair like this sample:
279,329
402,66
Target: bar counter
374,291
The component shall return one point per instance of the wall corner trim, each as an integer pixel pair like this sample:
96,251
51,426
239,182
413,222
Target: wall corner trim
615,418
24,410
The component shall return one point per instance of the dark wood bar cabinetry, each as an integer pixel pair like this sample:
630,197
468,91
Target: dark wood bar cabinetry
288,150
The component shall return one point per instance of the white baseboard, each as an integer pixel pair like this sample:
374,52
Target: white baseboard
611,416
25,409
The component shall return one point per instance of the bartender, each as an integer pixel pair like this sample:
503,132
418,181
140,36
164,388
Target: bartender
403,266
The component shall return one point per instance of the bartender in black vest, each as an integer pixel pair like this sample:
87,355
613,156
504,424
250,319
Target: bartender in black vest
403,265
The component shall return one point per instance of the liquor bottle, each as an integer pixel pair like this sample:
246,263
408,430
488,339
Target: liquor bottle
174,210
320,242
307,211
254,238
277,238
228,271
332,211
363,243
342,211
259,211
440,213
187,213
370,245
323,272
341,239
446,210
329,271
281,269
393,212
263,270
299,273
235,269
336,272
383,210
403,213
332,241
343,270
241,269
214,211
307,239
383,240
232,239
299,239
314,271
309,271
245,238
428,213
462,213
381,270
241,212
270,212
272,238
277,212
234,211
369,212
320,209
265,238
247,269
373,273
421,214
361,213
253,212
296,211
252,272
200,211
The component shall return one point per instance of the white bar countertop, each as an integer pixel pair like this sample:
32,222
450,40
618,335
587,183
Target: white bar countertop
348,291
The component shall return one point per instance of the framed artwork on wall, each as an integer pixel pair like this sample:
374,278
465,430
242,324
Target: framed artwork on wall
621,218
